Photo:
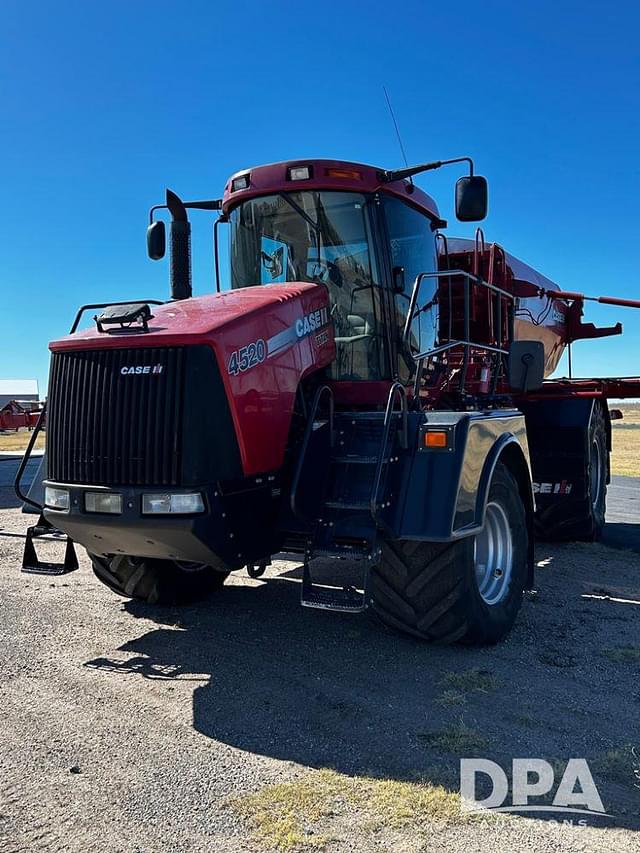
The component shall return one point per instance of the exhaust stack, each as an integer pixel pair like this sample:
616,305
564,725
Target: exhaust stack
179,248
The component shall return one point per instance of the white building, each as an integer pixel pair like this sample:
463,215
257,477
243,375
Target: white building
18,389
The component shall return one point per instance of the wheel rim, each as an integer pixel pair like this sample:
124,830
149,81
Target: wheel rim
595,477
493,555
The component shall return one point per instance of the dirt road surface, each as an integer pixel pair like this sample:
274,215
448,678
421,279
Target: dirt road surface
211,728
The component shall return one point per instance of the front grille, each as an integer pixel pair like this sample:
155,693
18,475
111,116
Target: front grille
106,427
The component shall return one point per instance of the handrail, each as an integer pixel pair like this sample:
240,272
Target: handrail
445,274
469,279
305,444
478,242
453,344
495,309
84,308
445,245
396,389
421,357
17,483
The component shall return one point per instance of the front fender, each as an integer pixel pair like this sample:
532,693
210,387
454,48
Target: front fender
444,492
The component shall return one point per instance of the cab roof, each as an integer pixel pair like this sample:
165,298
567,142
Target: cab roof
323,175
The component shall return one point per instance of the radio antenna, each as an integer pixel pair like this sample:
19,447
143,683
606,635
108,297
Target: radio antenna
395,124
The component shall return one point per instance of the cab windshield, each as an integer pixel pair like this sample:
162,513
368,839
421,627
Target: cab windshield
322,237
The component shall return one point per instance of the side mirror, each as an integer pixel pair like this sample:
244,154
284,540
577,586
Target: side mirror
472,198
526,366
156,240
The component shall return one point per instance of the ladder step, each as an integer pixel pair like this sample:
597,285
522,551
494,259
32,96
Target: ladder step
353,552
348,417
356,460
359,505
31,564
347,600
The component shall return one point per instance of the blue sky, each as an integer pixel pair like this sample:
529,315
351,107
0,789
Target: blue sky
103,105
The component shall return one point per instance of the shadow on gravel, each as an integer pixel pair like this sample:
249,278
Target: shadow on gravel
8,499
619,534
329,690
8,468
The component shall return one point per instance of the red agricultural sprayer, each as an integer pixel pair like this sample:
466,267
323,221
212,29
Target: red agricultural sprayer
367,388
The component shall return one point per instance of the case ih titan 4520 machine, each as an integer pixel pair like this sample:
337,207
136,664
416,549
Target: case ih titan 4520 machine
367,388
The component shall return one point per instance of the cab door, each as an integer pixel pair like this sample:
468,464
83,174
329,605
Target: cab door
412,250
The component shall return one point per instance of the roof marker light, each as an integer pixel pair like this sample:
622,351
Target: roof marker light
240,183
299,173
346,174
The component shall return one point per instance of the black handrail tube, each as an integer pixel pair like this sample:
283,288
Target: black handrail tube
324,389
396,389
25,459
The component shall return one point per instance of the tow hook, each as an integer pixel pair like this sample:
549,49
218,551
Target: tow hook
256,570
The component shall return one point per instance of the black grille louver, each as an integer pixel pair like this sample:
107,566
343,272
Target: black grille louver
109,428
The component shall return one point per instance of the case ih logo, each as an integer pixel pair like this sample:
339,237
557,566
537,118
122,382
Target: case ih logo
562,488
141,369
310,322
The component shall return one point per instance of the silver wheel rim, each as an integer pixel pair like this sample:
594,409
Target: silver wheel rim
596,473
493,555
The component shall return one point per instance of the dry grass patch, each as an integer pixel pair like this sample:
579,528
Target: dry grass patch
450,698
618,765
470,680
623,654
625,456
298,815
458,738
18,441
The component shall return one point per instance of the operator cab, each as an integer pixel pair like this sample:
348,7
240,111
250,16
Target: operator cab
338,224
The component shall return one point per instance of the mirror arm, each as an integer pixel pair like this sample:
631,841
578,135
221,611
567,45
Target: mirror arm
213,204
389,175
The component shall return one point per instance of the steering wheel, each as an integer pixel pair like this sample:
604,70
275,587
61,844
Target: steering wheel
332,271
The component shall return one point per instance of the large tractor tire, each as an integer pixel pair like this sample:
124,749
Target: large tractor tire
468,591
583,518
589,526
157,581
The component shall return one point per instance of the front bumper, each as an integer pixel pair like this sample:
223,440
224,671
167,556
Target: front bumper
237,527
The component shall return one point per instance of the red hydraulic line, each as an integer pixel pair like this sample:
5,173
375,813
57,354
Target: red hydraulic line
615,300
604,300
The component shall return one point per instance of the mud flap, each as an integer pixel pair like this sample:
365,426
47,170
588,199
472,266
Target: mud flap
558,433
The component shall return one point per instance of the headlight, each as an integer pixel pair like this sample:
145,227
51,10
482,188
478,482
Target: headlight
56,498
167,504
103,502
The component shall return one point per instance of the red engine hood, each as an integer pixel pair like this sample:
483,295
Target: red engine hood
265,338
195,320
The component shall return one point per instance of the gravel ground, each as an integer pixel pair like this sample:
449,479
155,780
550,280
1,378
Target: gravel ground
130,728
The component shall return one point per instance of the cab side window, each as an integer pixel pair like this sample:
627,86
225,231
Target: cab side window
413,248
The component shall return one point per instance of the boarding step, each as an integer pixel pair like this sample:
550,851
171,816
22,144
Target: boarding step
339,553
33,565
348,505
321,597
360,550
355,460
